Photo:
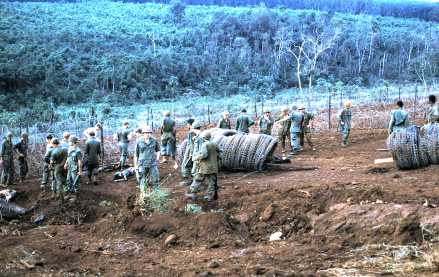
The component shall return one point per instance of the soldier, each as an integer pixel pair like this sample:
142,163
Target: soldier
283,133
73,165
21,150
58,157
432,115
123,137
244,122
7,160
187,164
168,138
224,122
399,118
65,142
93,153
207,157
47,172
296,126
305,133
266,123
146,157
344,120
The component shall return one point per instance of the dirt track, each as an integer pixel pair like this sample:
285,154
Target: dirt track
348,218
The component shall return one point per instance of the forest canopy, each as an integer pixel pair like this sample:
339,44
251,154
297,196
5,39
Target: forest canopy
130,53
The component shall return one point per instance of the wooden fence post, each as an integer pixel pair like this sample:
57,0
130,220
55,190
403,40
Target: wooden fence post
329,110
416,102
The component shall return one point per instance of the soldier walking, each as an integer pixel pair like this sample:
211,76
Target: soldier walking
244,122
187,164
21,149
7,160
432,115
47,171
123,137
224,122
399,118
168,138
58,157
344,120
92,153
296,126
266,123
73,165
305,133
207,157
283,134
146,157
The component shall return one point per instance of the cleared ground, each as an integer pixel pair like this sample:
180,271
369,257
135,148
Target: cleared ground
348,218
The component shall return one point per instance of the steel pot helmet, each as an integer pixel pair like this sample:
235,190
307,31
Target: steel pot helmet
197,125
73,139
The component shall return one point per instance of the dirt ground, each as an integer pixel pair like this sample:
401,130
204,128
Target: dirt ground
346,218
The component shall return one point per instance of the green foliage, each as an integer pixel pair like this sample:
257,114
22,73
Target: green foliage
123,53
192,209
155,200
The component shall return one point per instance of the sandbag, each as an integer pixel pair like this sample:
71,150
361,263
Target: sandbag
404,145
9,210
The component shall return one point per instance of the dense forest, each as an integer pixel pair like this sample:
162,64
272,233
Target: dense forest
130,53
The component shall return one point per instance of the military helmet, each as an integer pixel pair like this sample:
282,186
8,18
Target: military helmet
226,113
207,135
125,122
197,125
301,107
66,135
166,113
146,129
24,135
55,141
73,139
9,135
348,104
190,121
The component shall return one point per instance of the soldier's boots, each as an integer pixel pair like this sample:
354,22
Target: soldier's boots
190,196
184,183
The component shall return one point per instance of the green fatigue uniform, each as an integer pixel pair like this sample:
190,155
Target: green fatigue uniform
283,134
399,119
305,134
7,154
208,157
21,147
187,164
123,142
73,179
47,171
243,123
93,153
224,123
296,126
58,157
265,125
198,142
433,114
168,137
344,120
64,144
148,172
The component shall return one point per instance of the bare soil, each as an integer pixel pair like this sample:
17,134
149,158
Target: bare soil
346,218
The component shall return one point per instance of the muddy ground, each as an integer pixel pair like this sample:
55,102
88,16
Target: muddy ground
347,218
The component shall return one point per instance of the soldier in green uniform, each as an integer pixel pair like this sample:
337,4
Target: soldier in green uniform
244,122
344,120
296,126
47,172
399,118
123,137
187,164
168,138
146,157
7,160
266,123
208,158
93,153
21,150
74,165
58,157
224,122
283,134
432,115
305,133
